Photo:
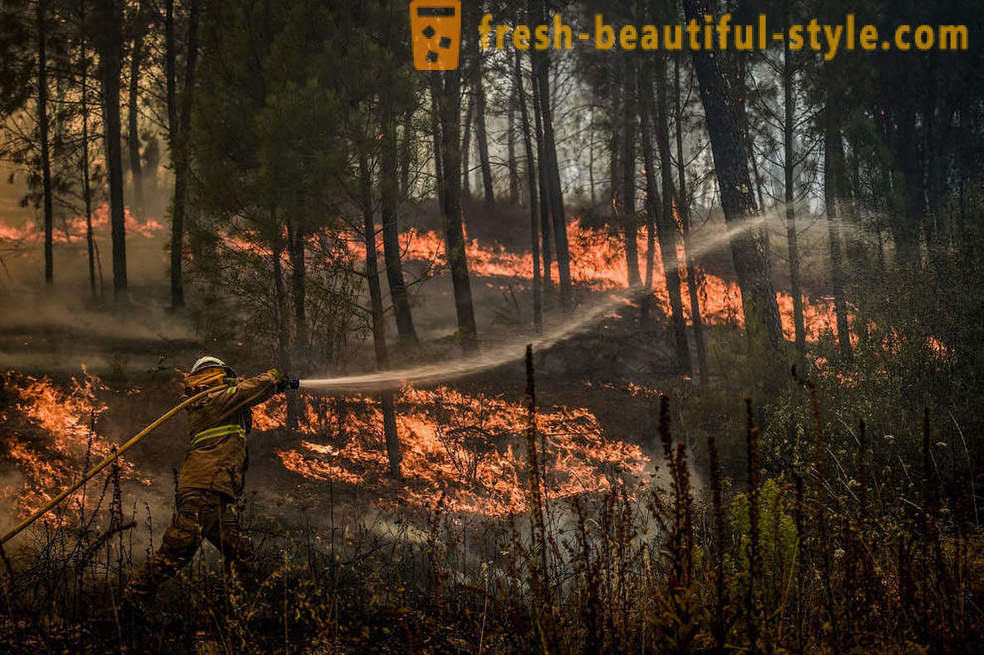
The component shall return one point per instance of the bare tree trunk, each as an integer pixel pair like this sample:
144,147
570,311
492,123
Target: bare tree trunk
282,321
86,186
466,148
544,183
630,228
831,145
407,149
665,225
737,197
436,145
531,180
390,434
298,273
179,118
390,192
552,167
789,108
511,145
133,128
667,229
481,134
653,206
591,159
49,277
446,93
110,63
683,207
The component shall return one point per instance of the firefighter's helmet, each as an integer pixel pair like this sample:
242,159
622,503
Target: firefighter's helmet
207,372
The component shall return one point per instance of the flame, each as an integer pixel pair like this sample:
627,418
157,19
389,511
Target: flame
50,434
465,452
74,229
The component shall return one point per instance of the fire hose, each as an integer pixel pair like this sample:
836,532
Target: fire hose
88,475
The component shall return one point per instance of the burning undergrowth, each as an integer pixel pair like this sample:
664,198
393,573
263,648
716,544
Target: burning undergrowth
462,452
50,434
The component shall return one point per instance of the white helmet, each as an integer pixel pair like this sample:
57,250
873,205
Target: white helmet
209,361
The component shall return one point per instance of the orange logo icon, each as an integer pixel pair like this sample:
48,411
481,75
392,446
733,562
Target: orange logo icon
435,26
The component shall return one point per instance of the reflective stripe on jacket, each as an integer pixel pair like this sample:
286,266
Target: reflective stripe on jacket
219,431
217,424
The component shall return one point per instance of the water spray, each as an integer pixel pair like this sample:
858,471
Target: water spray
512,351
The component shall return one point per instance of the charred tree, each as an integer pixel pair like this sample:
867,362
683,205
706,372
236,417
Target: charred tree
390,434
446,93
748,251
109,45
532,181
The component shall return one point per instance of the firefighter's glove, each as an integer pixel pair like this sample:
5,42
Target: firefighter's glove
293,383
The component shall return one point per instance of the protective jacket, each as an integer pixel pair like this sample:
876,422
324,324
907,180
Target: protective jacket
217,457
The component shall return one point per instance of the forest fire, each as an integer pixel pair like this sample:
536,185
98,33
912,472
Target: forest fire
50,434
73,230
598,263
463,451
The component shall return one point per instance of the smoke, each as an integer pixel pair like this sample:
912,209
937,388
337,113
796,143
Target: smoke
513,350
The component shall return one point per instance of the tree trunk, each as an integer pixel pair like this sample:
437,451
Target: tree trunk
544,183
110,63
481,134
653,206
390,192
738,202
553,175
407,149
667,228
831,137
466,148
683,207
531,180
446,93
133,128
49,277
179,119
390,434
630,228
86,186
788,172
436,145
511,145
298,274
283,323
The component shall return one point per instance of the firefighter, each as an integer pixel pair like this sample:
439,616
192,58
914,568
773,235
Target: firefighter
211,479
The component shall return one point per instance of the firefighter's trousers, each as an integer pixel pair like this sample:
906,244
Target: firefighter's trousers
198,514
